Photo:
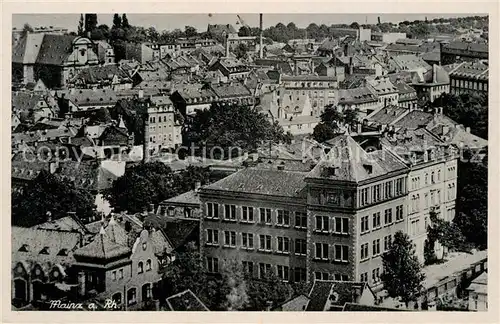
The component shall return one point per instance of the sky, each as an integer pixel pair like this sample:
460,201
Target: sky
200,21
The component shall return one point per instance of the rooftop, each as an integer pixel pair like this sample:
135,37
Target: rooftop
186,301
387,115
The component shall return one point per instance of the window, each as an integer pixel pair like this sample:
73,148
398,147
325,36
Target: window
399,186
426,179
247,214
283,245
114,275
264,270
376,247
341,253
364,196
283,272
322,251
140,267
300,247
247,240
341,225
364,224
387,242
388,189
131,296
376,220
299,274
212,265
376,275
322,224
283,218
146,292
364,251
321,275
229,238
364,277
148,265
388,216
300,220
248,268
117,298
265,215
212,237
376,193
265,243
212,210
120,274
432,177
399,213
230,212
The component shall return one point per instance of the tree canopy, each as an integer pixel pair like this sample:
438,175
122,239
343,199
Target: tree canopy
331,122
402,275
229,129
49,194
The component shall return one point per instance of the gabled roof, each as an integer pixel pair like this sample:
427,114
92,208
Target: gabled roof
102,247
410,62
329,293
347,161
387,115
97,74
27,49
356,95
24,101
263,182
55,49
228,90
187,198
414,119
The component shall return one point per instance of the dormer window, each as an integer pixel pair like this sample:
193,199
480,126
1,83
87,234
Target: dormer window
63,252
24,248
45,250
368,168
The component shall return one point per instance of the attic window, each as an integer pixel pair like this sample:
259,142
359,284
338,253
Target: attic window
63,252
24,248
368,168
45,250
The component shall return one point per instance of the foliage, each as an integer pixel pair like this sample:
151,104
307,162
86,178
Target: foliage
268,289
402,275
429,253
140,186
187,178
90,22
26,29
472,202
81,30
446,233
117,21
125,23
470,110
233,276
47,193
190,31
241,51
244,31
232,129
332,120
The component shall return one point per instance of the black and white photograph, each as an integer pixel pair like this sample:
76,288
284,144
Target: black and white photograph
260,162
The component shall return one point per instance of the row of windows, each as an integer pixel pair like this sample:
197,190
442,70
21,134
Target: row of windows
340,252
160,120
340,225
248,241
132,295
376,219
375,251
326,276
435,177
435,199
376,273
140,269
472,85
283,272
381,192
265,215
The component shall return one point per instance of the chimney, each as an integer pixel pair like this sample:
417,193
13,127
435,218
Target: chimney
141,93
49,216
434,72
260,37
351,65
346,47
467,129
197,186
227,45
151,208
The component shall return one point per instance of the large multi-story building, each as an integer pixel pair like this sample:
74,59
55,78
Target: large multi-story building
468,77
322,90
463,52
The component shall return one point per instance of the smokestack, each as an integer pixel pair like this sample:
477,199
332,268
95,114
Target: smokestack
378,18
227,45
260,37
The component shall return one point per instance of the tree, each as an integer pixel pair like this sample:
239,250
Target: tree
323,132
90,22
49,194
100,33
244,31
233,277
241,51
332,120
81,30
230,129
268,289
402,275
26,29
140,186
354,25
190,31
117,21
125,23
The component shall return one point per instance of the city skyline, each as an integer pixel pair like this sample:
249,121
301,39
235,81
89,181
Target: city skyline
200,21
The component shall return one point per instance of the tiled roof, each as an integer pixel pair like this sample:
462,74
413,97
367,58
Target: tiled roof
188,198
185,301
26,51
102,247
308,78
334,294
465,46
404,88
474,70
431,56
347,161
27,243
192,91
319,295
67,223
264,182
414,119
356,95
97,74
228,90
91,97
416,140
410,62
382,85
353,307
24,101
387,115
55,49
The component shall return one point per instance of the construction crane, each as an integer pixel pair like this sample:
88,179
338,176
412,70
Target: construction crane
242,22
